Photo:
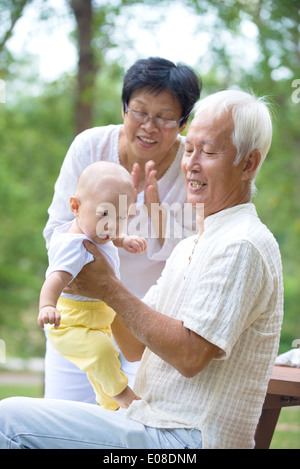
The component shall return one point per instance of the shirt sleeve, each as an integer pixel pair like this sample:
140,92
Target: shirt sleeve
65,186
228,296
68,256
91,145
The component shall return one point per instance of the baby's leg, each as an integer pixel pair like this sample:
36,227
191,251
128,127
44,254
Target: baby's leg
107,377
94,352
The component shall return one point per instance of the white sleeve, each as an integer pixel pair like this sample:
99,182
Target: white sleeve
69,256
97,143
65,186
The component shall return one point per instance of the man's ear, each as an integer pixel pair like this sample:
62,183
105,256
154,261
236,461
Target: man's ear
74,205
251,164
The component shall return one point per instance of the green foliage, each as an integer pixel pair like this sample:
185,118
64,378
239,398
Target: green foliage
35,133
37,127
33,146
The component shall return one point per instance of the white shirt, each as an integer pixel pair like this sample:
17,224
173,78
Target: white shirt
233,297
67,253
138,272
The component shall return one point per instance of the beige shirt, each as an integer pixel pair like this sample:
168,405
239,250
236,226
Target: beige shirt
233,297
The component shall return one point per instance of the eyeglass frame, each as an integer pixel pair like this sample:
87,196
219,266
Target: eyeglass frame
154,119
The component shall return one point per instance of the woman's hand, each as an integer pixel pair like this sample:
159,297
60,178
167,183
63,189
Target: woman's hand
150,186
95,279
156,211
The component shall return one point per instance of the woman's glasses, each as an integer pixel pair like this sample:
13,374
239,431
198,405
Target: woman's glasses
143,118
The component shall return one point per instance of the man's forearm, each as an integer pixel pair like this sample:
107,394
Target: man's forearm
166,337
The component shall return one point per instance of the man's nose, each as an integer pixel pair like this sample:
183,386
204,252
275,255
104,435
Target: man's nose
193,162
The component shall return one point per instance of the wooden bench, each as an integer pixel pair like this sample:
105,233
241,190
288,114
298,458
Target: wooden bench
283,391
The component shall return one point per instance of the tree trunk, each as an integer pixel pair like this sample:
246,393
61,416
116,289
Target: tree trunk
86,69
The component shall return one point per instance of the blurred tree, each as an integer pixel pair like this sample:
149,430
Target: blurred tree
10,12
87,68
95,24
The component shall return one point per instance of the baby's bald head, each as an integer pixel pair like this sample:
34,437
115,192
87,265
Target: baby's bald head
105,176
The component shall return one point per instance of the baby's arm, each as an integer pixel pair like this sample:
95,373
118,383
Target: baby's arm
133,244
50,292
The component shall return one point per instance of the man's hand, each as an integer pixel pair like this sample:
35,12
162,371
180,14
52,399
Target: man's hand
96,279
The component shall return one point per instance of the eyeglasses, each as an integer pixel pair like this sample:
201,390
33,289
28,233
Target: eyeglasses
143,118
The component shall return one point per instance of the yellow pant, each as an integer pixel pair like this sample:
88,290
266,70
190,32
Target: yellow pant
84,337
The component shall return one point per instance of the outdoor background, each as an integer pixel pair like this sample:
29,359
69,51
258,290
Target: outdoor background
48,95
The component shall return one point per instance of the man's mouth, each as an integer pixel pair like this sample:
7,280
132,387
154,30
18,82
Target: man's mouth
196,184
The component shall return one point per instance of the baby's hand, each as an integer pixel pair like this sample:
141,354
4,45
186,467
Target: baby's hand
134,244
48,315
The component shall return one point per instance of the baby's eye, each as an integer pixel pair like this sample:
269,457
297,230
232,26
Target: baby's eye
103,214
122,217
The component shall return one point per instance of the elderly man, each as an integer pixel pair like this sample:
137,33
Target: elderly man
208,331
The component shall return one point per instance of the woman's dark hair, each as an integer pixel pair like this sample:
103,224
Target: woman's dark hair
159,74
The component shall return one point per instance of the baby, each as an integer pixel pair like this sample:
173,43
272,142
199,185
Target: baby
78,327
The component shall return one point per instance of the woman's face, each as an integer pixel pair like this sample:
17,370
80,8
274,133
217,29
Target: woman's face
150,141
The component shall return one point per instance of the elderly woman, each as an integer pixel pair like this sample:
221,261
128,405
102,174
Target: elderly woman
157,97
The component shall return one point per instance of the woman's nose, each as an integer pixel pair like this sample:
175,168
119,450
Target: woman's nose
150,124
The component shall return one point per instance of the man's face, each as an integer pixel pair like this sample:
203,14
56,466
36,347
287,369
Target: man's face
208,164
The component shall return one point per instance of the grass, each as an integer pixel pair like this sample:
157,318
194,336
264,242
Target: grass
24,390
287,432
286,435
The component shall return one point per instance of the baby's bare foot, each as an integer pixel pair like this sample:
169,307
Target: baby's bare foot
125,398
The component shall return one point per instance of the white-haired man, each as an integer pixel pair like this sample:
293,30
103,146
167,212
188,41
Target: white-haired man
208,331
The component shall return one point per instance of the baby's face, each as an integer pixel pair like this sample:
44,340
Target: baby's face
103,218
